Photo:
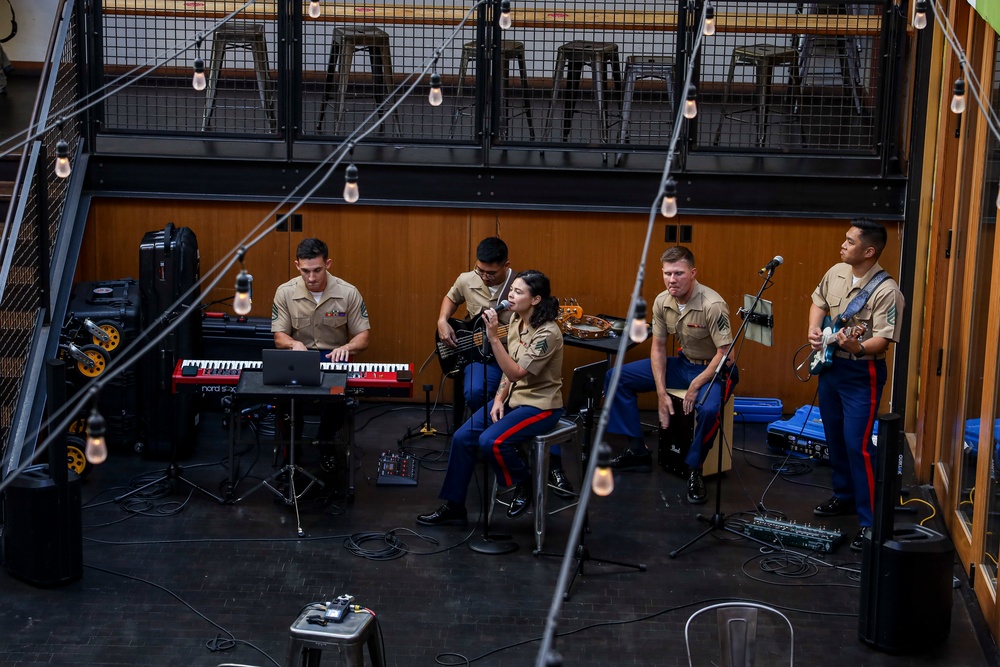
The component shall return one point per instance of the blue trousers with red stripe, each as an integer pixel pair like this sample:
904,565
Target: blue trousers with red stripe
496,442
849,394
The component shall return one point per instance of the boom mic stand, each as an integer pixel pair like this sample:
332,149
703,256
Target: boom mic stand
718,519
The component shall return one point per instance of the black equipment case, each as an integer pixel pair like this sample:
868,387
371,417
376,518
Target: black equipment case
235,339
169,266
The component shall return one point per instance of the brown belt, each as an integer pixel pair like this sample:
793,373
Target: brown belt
847,355
699,362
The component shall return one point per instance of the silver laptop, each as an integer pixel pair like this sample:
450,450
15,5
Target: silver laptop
295,368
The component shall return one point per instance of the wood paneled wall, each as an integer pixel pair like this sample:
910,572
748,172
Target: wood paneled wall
404,259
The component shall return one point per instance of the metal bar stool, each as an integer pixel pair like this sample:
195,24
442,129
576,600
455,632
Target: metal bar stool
765,58
571,58
307,640
248,37
566,436
346,41
510,52
638,68
846,47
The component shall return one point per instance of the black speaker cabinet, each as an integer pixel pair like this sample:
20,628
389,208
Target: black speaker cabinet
43,536
906,590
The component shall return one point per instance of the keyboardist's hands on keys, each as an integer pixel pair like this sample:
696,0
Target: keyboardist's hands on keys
339,354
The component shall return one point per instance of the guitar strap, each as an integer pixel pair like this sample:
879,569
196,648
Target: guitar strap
858,302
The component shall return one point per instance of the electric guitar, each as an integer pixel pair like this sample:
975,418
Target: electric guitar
823,357
470,340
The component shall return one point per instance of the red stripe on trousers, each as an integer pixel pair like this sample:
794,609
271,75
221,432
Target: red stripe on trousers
509,432
866,445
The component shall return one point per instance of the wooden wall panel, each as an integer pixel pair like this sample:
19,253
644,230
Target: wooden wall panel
404,259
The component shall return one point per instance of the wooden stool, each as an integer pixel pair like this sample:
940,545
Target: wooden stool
348,638
636,69
346,41
510,52
571,58
249,37
765,58
565,435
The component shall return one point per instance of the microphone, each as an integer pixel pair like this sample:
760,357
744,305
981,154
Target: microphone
772,265
502,306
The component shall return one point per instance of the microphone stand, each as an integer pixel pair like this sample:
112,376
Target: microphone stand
718,519
497,543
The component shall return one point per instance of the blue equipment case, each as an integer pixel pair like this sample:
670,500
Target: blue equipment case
749,410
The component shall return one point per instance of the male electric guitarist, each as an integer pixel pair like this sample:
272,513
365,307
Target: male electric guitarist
857,295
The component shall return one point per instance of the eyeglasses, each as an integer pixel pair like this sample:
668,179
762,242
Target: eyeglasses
485,274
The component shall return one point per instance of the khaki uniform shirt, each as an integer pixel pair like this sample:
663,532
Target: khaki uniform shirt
882,312
338,317
540,352
701,329
477,297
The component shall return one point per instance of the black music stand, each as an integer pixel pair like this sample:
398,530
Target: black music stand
718,519
333,385
583,394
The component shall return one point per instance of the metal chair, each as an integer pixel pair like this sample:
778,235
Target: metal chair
247,37
737,623
571,58
846,49
346,42
348,638
638,68
511,52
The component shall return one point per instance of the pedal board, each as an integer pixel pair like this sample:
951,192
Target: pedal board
791,534
397,469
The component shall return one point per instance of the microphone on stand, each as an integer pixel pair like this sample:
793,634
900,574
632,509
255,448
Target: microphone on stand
772,265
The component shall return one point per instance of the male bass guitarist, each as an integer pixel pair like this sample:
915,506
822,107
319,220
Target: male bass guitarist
482,288
857,296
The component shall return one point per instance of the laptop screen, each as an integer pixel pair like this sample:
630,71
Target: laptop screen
292,367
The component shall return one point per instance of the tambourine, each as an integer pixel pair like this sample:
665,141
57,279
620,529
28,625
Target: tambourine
587,327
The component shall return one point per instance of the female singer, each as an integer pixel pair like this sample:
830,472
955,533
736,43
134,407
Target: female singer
528,401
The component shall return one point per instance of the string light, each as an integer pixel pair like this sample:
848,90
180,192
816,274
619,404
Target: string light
709,28
63,167
639,331
604,480
97,447
244,300
691,104
504,21
958,98
668,208
198,80
920,15
351,193
436,97
315,11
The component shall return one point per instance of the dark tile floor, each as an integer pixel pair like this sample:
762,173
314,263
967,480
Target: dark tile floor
172,577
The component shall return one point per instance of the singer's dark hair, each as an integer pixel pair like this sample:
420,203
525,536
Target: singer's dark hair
538,285
677,254
492,250
872,233
311,249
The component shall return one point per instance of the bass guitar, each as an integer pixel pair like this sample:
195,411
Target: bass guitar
820,359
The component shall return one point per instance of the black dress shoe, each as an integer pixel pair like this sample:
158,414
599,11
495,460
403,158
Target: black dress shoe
560,483
633,461
521,501
446,515
696,488
859,540
835,507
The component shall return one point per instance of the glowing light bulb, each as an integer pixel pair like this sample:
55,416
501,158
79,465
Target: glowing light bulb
691,104
709,28
315,11
504,21
920,15
351,193
638,331
243,301
998,198
604,482
97,447
436,97
958,99
198,80
63,167
668,207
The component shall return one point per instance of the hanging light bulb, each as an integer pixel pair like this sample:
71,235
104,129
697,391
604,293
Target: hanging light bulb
958,99
243,300
998,198
920,15
668,208
504,21
709,28
691,104
97,448
435,98
638,331
351,193
604,480
198,80
315,11
63,167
